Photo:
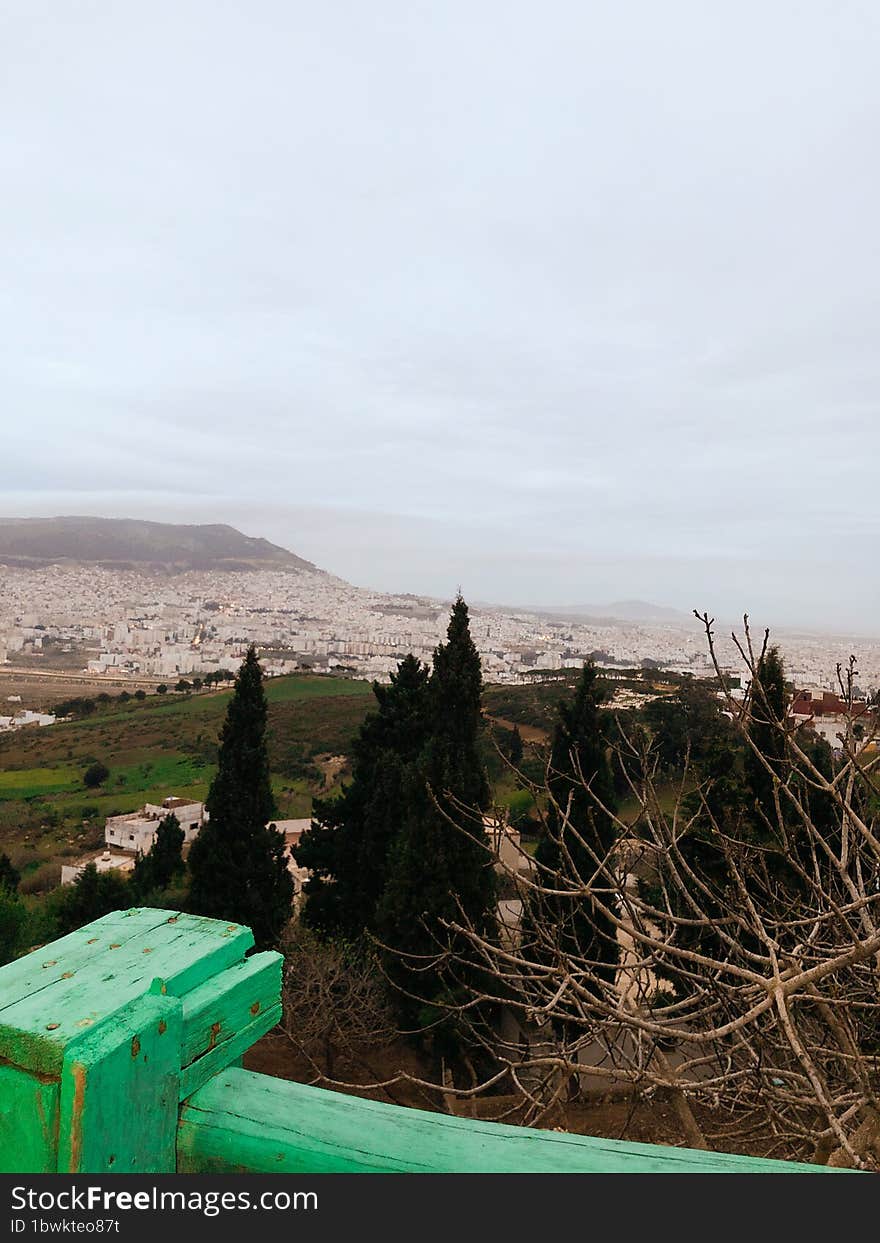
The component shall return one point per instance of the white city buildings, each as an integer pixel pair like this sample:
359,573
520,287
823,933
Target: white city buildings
164,627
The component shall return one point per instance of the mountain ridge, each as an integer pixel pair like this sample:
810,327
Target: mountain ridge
129,543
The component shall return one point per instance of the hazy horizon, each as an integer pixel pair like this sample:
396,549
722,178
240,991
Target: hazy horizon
563,306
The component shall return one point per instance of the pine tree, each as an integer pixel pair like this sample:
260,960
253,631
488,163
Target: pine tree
237,864
346,848
157,868
437,869
579,758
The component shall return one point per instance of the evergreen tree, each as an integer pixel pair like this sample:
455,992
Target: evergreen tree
157,868
347,846
436,869
9,875
766,731
579,758
684,725
238,864
91,895
515,747
13,922
786,834
736,793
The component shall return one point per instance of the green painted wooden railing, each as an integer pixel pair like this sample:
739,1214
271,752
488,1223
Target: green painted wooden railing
118,1046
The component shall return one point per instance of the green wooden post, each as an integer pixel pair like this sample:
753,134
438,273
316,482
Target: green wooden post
104,1031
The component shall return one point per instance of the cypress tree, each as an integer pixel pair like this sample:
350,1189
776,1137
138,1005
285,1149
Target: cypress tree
767,712
515,747
347,846
238,865
164,860
579,758
436,870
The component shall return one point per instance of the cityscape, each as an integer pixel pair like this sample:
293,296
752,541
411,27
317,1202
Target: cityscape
133,626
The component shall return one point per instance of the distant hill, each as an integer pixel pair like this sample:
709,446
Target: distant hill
620,610
128,543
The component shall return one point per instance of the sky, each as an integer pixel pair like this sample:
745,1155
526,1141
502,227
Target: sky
561,303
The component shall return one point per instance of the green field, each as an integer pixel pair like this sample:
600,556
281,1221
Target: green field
168,745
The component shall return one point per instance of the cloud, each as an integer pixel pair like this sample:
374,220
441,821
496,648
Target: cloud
565,304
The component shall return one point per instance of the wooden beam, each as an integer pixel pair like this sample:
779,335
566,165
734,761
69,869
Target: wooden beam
244,1122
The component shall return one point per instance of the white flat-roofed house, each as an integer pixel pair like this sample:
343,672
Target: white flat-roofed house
106,862
137,830
504,840
190,815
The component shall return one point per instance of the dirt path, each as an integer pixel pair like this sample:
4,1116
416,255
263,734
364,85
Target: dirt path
528,733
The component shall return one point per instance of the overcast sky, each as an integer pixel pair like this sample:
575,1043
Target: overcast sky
564,302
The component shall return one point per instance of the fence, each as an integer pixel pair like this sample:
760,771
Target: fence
119,1052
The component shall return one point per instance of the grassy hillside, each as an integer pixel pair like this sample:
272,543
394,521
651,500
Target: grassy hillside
165,745
168,745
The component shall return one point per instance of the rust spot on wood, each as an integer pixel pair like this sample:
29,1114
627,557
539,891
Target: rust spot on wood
146,951
114,945
172,919
51,1027
76,1113
215,1032
255,1008
68,975
231,927
91,941
85,1022
135,1045
44,1121
53,962
163,1027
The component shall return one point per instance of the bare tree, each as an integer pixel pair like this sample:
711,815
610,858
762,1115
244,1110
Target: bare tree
335,1004
746,940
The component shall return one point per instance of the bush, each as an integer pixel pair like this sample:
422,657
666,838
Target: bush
44,877
95,775
91,895
9,874
13,920
79,706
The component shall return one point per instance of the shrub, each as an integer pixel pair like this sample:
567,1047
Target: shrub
95,775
